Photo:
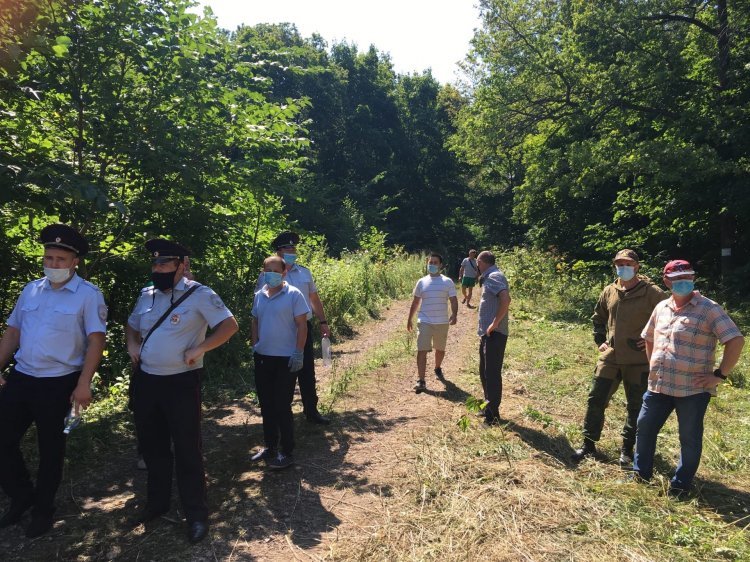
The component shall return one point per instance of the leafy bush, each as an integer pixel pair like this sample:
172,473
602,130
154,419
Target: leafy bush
358,284
554,288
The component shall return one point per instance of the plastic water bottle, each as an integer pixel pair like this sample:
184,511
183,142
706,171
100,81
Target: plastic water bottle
325,346
72,420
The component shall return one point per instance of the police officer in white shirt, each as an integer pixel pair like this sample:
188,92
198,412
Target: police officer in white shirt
57,333
168,369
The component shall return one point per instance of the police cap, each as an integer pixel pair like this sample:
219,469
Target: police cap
163,250
65,237
286,238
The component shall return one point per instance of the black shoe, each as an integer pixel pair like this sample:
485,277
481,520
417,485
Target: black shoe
678,493
39,525
318,418
438,372
147,515
587,450
492,419
281,462
15,512
265,454
197,531
626,456
420,387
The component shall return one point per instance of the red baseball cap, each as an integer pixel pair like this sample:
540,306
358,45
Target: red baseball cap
675,268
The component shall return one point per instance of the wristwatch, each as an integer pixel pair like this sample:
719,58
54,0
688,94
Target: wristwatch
718,374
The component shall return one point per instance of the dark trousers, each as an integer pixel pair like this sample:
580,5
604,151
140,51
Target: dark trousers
306,376
275,386
602,390
167,411
44,402
491,355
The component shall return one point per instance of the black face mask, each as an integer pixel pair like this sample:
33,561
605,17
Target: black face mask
163,281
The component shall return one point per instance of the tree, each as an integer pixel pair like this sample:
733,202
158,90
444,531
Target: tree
615,120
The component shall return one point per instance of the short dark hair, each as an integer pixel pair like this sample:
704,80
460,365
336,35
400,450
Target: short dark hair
438,256
487,257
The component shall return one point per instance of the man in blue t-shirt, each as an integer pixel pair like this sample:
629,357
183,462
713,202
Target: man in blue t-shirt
279,332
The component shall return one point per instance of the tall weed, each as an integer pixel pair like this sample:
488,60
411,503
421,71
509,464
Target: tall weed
543,284
357,285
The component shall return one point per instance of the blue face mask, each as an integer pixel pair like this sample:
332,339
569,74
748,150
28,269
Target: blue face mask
289,259
433,269
683,287
625,272
272,279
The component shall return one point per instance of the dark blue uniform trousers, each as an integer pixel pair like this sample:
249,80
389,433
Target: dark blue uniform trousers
275,386
167,411
306,376
44,402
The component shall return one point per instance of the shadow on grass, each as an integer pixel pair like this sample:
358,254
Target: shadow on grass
732,505
102,491
450,392
556,446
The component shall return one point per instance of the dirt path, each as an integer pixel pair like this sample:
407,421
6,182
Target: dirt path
344,471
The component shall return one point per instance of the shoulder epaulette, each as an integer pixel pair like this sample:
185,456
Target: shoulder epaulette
86,283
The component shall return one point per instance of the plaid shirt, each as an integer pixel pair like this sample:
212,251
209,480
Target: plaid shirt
684,343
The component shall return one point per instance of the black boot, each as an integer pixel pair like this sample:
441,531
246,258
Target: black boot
587,450
626,455
15,511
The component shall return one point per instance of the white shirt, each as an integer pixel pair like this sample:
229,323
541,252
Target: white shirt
470,267
163,353
55,325
434,292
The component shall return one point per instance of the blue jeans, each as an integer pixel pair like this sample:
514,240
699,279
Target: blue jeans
655,410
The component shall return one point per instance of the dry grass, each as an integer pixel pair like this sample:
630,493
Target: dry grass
509,493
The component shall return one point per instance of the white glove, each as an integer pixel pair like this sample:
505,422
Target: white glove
296,361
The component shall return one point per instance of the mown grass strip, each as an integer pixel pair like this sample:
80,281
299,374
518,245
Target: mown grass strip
510,493
398,348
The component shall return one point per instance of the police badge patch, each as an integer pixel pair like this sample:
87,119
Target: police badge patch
216,301
175,319
103,312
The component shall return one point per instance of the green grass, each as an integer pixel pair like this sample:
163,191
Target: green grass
510,493
395,349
